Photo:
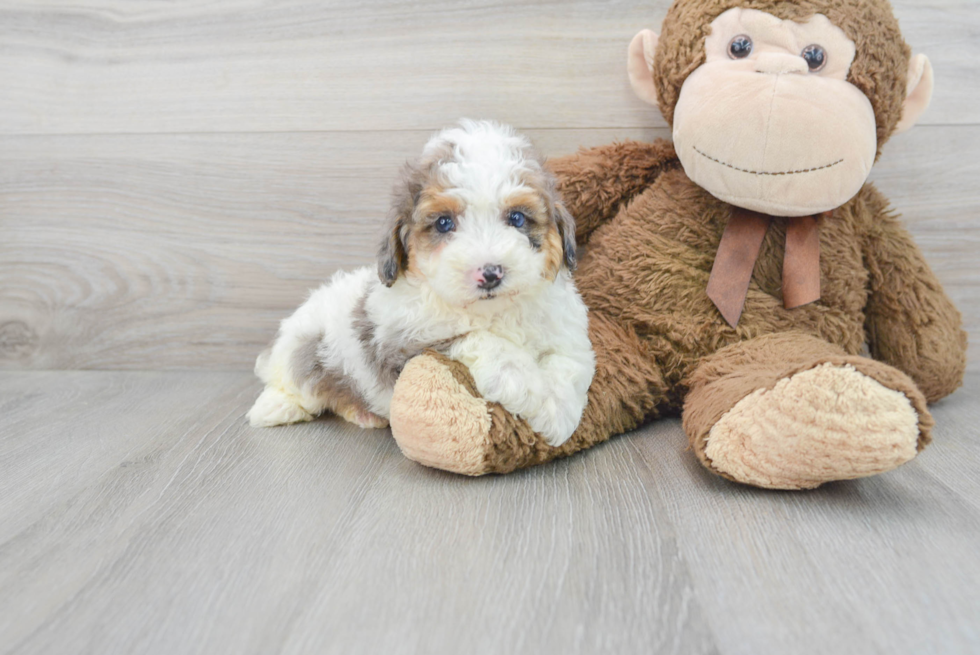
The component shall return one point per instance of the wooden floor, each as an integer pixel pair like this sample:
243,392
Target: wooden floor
174,177
140,514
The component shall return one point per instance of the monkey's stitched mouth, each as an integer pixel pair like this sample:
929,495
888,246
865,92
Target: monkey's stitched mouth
745,170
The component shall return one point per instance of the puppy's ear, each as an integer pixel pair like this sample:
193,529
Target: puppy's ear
393,253
566,228
392,257
560,215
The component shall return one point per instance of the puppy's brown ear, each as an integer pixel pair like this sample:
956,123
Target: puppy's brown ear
392,258
393,253
566,228
562,218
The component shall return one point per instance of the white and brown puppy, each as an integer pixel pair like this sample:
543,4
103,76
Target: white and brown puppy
475,264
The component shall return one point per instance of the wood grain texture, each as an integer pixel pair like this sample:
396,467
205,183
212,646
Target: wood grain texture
138,513
115,66
881,565
144,516
184,251
175,175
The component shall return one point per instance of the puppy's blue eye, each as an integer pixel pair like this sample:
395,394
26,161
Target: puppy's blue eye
517,219
445,224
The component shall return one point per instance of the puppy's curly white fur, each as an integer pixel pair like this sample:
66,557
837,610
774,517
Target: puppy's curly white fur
475,264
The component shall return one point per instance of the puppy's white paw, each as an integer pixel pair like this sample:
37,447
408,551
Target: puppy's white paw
505,384
554,422
274,407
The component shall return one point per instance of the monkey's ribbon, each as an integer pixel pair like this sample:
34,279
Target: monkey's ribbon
731,273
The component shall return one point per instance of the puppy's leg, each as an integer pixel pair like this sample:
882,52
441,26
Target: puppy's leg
336,394
275,406
503,372
550,395
299,387
281,402
566,382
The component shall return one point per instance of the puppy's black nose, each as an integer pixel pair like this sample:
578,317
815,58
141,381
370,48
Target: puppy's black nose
492,277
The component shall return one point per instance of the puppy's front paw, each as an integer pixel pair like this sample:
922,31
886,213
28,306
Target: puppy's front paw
506,384
553,422
274,407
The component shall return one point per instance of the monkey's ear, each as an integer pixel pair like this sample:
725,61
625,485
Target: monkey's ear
639,64
566,228
918,92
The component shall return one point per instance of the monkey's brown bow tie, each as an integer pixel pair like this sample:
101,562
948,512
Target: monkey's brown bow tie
739,248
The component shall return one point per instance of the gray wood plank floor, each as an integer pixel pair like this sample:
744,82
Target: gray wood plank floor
175,175
140,514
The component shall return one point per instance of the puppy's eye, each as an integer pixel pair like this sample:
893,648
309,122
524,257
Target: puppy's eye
815,56
517,219
445,224
740,47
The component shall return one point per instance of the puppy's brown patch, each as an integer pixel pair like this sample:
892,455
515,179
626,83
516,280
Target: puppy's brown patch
554,253
329,386
421,236
542,227
388,357
417,178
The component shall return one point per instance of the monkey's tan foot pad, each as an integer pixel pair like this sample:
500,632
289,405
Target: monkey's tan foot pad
827,423
437,421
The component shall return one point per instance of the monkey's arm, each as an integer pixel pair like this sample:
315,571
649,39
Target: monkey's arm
596,182
911,323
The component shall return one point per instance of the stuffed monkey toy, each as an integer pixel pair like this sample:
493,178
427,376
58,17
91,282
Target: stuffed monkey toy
734,276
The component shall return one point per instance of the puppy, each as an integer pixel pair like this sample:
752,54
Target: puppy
474,264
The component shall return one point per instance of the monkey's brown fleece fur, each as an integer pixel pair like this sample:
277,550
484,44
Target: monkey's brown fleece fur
659,340
651,235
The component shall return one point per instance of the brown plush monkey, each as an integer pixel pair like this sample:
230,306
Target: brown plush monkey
736,281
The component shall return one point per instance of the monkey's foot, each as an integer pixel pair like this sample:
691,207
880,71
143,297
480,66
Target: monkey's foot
437,421
830,422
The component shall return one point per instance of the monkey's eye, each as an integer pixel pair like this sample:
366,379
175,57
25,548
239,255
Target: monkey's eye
517,218
740,47
815,56
445,224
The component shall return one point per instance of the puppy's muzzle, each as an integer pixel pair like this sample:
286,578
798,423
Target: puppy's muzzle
490,277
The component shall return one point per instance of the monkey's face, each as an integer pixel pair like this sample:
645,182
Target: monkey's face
769,122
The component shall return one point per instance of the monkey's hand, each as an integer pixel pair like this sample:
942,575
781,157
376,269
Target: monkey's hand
594,183
910,321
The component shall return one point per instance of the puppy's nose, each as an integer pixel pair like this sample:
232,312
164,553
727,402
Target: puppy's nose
490,277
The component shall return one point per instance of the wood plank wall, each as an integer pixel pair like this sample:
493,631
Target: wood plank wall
175,175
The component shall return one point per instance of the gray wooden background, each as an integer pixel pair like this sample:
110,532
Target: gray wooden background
175,175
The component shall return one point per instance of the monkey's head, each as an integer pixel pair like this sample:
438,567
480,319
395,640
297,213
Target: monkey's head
781,107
